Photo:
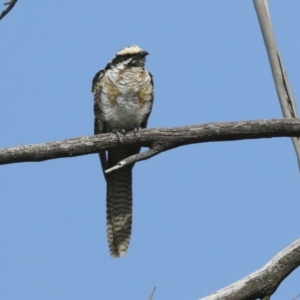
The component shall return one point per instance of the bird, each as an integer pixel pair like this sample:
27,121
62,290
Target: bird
123,99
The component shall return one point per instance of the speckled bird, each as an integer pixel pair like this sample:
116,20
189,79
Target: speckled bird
123,99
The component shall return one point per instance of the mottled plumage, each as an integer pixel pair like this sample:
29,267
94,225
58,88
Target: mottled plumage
123,98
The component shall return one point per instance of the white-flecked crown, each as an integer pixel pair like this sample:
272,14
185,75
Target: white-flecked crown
134,49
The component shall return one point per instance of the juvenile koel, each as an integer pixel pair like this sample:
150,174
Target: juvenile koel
123,98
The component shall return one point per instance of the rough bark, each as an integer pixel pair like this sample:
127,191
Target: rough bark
157,139
264,282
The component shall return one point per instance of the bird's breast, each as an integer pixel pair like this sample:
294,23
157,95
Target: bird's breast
126,97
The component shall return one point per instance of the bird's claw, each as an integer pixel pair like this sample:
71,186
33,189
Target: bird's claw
117,132
138,132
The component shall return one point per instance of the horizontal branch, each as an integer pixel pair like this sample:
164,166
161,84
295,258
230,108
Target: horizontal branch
157,139
264,282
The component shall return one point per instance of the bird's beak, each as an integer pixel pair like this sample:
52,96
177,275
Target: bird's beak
144,53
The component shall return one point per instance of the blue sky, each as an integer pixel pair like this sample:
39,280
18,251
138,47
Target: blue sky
204,215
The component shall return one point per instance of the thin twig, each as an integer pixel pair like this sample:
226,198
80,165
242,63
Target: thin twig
297,297
283,87
152,294
135,158
10,4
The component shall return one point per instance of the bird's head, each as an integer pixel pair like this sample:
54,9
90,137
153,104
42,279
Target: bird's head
132,56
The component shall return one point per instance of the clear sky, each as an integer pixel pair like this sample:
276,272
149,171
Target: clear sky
204,215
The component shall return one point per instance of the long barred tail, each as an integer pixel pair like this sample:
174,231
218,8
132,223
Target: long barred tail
119,210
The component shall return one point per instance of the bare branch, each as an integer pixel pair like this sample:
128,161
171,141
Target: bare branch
152,294
137,157
157,139
10,4
264,282
283,87
297,297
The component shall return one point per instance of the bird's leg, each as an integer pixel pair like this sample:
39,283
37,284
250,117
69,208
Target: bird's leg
137,130
117,132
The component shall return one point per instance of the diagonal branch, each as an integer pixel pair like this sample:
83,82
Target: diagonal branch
264,282
152,294
297,297
156,149
10,5
283,87
157,139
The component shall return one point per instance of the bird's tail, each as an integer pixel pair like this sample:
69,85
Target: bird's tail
119,210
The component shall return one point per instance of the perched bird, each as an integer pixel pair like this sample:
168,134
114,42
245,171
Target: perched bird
123,98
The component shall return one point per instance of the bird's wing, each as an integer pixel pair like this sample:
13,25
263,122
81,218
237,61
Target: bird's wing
144,123
99,126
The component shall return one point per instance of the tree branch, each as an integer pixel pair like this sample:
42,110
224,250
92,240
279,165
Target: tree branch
10,4
264,282
157,139
297,297
283,87
152,294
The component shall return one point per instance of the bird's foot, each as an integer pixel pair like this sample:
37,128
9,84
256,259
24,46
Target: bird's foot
117,132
